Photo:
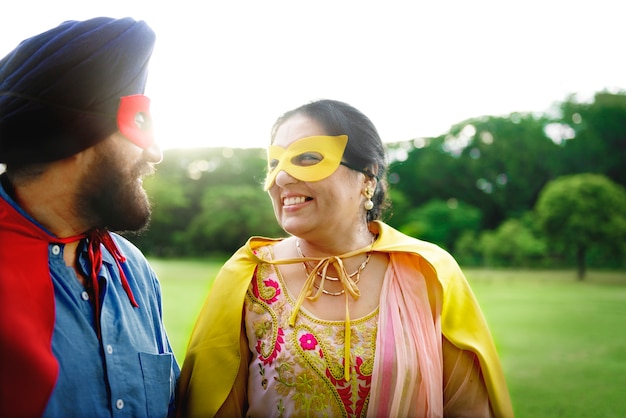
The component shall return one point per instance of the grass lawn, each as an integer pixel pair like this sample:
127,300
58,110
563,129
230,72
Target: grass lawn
184,285
562,342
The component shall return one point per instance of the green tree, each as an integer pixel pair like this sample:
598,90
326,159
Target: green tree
512,244
172,208
582,211
228,217
496,164
179,186
400,207
509,160
442,222
596,141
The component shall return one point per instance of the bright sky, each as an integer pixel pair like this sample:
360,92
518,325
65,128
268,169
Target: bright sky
223,71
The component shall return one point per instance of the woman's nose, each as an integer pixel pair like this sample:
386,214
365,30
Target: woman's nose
283,178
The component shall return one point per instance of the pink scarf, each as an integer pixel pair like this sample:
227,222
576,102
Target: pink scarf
409,330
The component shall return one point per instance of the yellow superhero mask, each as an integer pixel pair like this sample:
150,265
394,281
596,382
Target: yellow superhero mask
308,159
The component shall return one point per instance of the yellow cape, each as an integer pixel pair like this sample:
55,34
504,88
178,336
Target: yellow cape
214,355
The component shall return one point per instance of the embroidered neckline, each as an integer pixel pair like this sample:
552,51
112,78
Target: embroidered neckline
291,299
322,273
349,285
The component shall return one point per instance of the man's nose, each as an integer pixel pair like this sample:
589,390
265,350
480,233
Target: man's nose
153,153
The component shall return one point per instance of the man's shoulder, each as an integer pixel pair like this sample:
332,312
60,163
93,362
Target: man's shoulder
129,250
124,243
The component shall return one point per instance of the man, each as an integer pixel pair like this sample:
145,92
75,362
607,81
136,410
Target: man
81,331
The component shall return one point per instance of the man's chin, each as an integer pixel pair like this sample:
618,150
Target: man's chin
134,232
134,223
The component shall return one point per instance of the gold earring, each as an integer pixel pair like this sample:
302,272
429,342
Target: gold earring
368,193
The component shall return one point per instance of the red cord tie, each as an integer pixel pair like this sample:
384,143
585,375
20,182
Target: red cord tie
97,237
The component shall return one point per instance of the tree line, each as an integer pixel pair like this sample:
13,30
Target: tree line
494,190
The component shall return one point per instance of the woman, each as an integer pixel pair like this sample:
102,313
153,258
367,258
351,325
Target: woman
346,316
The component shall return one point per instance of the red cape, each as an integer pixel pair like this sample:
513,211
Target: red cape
27,310
29,369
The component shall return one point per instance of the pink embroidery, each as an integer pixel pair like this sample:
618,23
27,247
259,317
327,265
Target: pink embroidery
255,286
308,342
364,389
346,394
344,389
336,382
269,294
272,283
367,378
277,347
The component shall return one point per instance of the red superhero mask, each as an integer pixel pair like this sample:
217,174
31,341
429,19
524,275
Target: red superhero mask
134,120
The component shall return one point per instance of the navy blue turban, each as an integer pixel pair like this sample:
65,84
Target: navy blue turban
60,90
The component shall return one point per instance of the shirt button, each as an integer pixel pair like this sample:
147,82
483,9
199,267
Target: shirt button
56,249
110,349
84,295
119,404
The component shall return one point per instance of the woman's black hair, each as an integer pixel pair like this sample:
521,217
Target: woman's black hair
364,152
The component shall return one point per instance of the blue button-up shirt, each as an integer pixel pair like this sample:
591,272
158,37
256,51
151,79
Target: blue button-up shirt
131,371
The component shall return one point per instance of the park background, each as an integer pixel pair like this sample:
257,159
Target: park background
532,205
427,73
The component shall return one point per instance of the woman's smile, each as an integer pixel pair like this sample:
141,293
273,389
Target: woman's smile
295,200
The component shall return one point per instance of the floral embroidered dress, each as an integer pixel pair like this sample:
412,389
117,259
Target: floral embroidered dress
298,371
434,357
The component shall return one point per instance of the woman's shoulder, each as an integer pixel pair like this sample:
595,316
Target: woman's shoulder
255,250
393,241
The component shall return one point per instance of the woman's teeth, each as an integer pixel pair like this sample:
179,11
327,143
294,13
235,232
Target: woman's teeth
293,200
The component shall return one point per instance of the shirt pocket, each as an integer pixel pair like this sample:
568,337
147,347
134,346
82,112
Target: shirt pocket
157,379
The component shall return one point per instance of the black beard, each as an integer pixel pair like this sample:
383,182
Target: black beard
112,197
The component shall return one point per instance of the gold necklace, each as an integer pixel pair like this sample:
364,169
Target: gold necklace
357,273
